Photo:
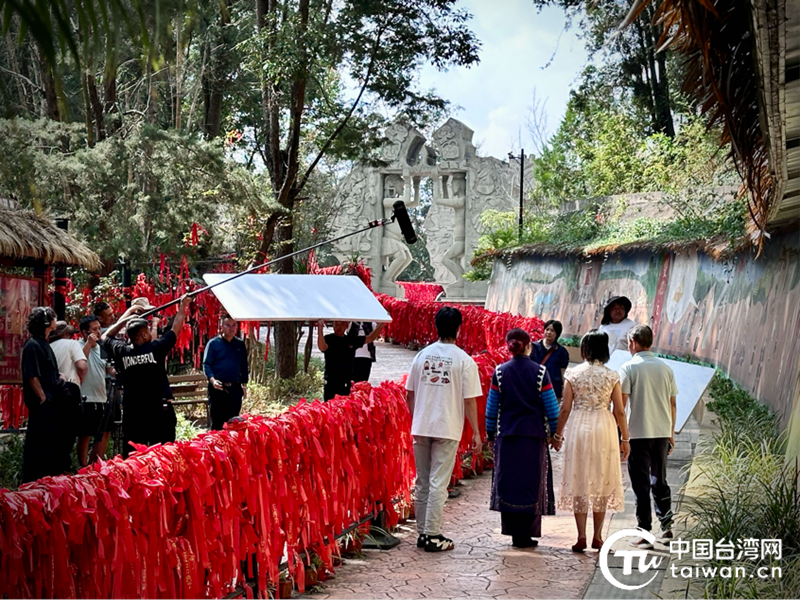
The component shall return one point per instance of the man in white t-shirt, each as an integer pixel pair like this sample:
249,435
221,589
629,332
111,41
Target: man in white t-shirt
69,354
97,420
649,390
441,389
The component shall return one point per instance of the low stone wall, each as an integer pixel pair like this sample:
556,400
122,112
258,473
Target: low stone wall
742,315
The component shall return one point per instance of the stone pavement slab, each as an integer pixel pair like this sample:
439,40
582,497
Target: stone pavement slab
483,564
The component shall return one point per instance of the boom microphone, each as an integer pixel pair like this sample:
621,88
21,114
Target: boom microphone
403,220
400,216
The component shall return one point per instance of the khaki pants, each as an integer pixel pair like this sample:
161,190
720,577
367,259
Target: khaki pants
435,459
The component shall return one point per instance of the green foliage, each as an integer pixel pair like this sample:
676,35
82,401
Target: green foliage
735,407
595,227
750,492
602,149
11,447
132,194
186,430
276,395
573,341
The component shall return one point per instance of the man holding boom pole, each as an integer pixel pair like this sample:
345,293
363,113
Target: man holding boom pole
148,416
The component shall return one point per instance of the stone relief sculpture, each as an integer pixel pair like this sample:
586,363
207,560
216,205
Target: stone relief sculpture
357,208
464,186
395,255
455,198
396,134
439,226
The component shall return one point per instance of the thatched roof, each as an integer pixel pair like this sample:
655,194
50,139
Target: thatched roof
718,248
737,79
26,235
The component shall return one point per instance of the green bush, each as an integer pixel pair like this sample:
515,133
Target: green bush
11,447
186,430
751,492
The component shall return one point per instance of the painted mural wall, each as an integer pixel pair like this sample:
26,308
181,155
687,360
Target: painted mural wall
742,315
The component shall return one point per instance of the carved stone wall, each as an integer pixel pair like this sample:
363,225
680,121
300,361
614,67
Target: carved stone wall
465,185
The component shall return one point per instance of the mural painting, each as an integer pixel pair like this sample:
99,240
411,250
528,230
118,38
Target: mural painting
742,315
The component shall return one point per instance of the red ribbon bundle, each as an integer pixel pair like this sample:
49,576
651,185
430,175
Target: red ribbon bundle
482,330
179,520
12,406
358,269
420,291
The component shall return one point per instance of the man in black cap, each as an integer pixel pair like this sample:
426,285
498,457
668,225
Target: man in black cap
148,416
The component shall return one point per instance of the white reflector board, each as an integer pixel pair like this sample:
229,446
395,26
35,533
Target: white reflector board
297,298
692,381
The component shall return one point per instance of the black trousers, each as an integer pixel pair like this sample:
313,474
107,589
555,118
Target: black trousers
225,403
47,450
362,367
335,388
647,466
148,425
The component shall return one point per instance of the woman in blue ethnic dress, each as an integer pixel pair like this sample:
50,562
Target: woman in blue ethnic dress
521,410
591,412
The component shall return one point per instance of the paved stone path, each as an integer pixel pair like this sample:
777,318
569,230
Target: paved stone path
483,564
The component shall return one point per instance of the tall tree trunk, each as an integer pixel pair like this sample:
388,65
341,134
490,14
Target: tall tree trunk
178,73
11,48
216,77
285,331
87,110
50,107
283,164
646,82
30,89
658,78
213,99
97,107
663,103
110,88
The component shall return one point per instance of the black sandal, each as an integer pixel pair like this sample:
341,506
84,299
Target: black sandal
438,543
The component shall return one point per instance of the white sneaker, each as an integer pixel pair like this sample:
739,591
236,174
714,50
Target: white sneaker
642,543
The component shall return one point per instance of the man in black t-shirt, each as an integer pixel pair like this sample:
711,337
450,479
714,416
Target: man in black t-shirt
42,455
340,351
148,416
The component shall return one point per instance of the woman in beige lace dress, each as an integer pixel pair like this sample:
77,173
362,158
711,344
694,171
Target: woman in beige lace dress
592,477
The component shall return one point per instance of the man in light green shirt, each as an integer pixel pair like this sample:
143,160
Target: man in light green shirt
649,390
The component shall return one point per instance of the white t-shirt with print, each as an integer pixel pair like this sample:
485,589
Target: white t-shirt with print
441,377
68,352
